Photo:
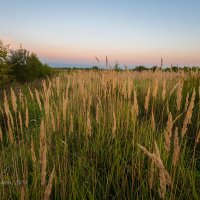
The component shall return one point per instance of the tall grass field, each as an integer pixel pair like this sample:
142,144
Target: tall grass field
102,135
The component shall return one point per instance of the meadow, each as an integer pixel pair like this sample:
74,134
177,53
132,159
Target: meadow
102,135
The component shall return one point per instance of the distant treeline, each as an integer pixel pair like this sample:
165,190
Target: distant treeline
20,65
167,69
138,68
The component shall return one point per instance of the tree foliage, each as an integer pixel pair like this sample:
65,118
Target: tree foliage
4,68
21,65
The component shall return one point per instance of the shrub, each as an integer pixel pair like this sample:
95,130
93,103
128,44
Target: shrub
20,65
140,68
26,66
45,70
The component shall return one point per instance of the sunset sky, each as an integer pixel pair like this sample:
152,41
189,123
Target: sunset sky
73,32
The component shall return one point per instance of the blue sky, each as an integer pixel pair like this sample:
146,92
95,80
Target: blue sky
132,32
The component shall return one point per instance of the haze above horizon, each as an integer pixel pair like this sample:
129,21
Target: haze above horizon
132,32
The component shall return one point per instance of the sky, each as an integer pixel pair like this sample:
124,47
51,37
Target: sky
74,32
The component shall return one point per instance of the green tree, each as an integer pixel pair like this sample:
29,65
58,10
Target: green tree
26,66
140,68
21,65
95,68
45,70
19,61
4,67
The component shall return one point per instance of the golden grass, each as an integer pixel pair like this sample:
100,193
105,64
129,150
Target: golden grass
80,131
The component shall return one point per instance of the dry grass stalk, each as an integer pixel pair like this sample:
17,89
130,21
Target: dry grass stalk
1,134
89,102
13,100
57,118
188,116
164,176
156,150
22,193
179,96
167,109
89,127
146,103
84,104
43,152
186,102
21,98
155,88
44,85
10,132
124,89
97,113
20,122
27,117
153,120
58,85
38,99
151,174
53,122
64,111
31,94
48,189
114,128
163,184
11,120
33,156
176,148
198,137
173,89
164,89
135,103
130,86
1,110
64,108
6,104
168,132
46,104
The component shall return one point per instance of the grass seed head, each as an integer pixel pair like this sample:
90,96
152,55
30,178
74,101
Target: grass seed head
13,100
147,98
168,132
176,151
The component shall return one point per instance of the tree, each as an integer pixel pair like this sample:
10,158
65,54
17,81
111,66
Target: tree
4,67
4,50
175,68
95,68
19,57
140,68
21,65
18,60
26,66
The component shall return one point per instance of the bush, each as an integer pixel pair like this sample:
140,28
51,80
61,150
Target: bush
26,66
141,68
45,70
20,65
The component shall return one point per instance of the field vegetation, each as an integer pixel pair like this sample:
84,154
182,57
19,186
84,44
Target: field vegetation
102,134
